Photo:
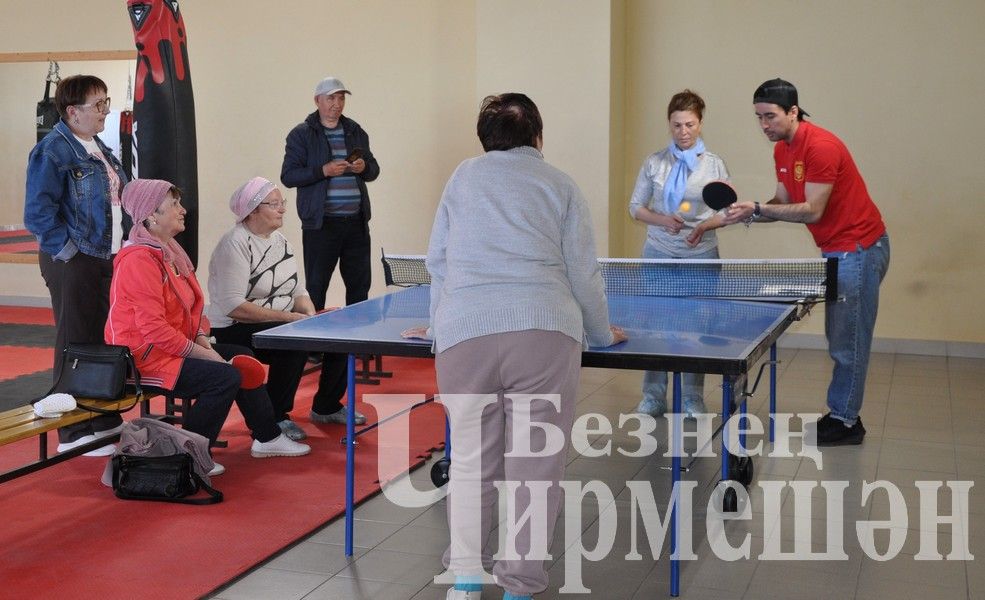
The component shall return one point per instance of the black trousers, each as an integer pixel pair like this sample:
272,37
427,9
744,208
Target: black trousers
79,292
342,240
214,386
286,369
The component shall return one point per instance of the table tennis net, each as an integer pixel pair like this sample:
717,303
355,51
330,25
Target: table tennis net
809,278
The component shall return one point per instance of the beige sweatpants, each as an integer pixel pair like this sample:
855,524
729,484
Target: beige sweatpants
517,373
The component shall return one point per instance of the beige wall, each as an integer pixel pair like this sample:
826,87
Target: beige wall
563,64
899,81
23,87
254,65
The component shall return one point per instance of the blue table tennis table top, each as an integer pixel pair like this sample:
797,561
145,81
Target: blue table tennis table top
693,335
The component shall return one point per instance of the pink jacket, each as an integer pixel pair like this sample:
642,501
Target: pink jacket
147,315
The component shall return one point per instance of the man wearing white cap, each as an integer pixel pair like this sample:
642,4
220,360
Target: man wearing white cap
327,158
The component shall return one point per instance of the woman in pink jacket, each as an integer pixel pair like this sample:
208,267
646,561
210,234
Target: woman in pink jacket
156,310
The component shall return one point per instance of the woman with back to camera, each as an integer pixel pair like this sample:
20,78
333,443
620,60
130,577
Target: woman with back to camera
255,284
667,197
72,206
156,310
515,293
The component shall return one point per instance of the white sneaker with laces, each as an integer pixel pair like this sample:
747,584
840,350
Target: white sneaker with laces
217,469
104,451
279,446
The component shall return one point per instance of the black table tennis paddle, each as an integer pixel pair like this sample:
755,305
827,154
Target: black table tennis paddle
718,195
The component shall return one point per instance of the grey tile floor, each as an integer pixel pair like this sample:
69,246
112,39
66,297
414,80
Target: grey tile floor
925,417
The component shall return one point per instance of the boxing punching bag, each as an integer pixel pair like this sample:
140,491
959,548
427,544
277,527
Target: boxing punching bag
47,114
164,109
126,143
127,146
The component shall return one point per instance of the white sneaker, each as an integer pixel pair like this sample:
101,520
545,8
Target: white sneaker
108,450
104,451
279,446
217,469
454,594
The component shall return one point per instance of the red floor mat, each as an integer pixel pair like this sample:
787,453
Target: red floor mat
17,361
25,315
66,536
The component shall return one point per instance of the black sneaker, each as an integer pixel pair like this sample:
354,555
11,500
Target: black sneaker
833,432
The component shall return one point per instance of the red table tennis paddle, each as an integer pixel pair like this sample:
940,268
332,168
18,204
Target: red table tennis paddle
718,195
250,370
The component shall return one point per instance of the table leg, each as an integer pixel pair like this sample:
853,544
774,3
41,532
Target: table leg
772,391
675,469
447,439
350,451
728,389
743,423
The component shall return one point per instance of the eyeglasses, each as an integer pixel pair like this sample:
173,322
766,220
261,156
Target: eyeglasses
276,205
100,106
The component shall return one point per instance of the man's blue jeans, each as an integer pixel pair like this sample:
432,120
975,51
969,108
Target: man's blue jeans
849,325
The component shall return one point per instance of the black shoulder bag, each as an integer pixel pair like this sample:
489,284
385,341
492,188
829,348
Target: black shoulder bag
160,479
97,372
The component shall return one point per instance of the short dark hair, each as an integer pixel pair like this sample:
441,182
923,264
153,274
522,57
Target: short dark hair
508,121
73,91
686,100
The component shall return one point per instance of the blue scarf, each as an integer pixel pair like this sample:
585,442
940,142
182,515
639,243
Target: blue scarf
687,162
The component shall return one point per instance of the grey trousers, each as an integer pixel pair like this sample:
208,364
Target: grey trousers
503,366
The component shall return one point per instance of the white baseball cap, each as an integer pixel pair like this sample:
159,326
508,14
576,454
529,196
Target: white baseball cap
330,85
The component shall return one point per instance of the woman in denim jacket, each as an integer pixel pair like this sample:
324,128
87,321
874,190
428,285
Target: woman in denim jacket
72,206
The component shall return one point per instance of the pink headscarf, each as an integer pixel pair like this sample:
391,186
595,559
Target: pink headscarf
249,195
141,197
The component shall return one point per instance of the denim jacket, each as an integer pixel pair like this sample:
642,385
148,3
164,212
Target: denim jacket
67,205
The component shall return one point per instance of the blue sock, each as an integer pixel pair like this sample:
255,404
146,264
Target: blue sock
468,584
509,596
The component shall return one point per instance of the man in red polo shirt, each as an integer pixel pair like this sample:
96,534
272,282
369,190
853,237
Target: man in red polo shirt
818,184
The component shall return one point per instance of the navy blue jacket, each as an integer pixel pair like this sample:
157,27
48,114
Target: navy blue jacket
306,151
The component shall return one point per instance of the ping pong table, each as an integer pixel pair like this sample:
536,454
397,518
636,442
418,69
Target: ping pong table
716,324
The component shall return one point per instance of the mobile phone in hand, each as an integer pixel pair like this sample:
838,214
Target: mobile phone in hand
355,155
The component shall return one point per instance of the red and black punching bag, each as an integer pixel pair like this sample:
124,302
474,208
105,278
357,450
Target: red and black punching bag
164,109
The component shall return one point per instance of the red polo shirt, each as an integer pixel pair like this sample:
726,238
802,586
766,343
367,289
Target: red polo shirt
851,218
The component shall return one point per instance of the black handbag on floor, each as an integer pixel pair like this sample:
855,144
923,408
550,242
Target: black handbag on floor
161,479
99,372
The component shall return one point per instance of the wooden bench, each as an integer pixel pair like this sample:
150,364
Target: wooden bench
21,423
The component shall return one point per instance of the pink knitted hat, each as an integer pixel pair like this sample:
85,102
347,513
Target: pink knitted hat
249,196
